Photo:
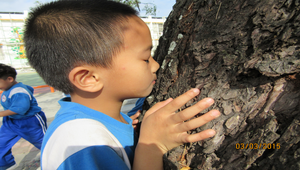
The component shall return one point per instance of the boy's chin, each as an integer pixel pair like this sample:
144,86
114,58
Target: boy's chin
148,93
142,95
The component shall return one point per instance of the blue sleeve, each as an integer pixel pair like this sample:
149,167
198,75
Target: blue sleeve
94,158
138,106
20,103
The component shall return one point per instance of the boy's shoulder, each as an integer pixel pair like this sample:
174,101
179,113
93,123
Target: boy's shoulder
76,129
20,85
77,135
19,88
84,116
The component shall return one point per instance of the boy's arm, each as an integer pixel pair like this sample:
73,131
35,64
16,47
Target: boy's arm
7,113
20,103
163,129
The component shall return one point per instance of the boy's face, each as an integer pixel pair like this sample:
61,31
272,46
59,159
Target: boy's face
133,72
6,84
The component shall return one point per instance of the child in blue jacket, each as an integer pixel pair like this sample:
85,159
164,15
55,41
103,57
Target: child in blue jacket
22,117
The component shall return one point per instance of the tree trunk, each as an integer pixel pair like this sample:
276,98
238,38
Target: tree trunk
245,55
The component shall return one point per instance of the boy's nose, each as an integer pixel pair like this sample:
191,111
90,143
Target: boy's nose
155,65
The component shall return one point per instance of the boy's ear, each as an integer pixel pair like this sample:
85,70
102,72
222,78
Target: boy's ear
86,78
10,79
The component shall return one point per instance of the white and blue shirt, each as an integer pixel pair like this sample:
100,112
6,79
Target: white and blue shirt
81,138
19,99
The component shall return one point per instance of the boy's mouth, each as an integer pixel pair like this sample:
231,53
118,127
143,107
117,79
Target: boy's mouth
153,82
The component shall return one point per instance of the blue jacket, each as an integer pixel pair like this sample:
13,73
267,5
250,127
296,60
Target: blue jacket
19,99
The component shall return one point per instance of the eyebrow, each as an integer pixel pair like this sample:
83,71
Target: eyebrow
149,48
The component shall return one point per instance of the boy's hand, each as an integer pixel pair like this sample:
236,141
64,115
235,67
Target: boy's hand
134,118
7,113
166,129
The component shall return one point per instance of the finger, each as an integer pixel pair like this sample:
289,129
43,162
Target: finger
157,106
198,136
136,115
193,110
181,100
135,121
197,122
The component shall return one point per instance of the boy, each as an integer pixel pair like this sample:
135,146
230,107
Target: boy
22,117
99,52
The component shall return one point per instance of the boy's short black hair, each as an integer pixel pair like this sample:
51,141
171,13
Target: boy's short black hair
7,71
61,35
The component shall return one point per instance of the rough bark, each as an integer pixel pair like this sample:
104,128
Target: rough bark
245,55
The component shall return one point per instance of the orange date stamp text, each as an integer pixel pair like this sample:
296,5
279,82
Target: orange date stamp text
257,146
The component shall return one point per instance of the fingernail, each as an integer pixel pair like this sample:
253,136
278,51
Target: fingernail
210,100
169,99
212,133
215,113
195,90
